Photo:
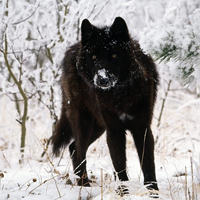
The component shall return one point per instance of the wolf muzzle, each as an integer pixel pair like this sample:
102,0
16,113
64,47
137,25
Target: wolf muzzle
104,80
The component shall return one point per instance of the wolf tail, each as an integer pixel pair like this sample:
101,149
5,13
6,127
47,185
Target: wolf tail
62,134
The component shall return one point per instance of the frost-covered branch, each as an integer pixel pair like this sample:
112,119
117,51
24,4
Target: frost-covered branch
177,42
22,93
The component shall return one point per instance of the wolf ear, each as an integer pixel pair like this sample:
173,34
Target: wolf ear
87,30
120,29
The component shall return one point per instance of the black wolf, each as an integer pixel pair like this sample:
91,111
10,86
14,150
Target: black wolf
108,83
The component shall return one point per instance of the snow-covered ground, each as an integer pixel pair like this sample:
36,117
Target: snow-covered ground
176,157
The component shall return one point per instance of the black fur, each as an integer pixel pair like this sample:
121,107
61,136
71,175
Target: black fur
108,83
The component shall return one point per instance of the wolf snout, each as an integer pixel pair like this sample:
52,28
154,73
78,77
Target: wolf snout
103,82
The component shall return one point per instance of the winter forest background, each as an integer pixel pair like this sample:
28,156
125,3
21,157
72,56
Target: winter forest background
34,35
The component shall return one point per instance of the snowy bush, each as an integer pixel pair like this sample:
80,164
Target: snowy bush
33,42
176,40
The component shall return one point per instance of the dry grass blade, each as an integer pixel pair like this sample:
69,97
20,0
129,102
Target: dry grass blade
101,184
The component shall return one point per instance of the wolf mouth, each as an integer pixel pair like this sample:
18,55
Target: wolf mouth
104,80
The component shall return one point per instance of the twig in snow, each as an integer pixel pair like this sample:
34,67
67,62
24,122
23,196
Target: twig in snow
42,184
56,186
101,184
186,184
192,171
141,163
163,103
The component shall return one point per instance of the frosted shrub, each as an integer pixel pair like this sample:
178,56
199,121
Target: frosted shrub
176,40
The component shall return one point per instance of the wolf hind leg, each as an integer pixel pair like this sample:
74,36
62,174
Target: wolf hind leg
79,163
78,149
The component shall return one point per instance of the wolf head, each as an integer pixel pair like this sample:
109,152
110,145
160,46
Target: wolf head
105,54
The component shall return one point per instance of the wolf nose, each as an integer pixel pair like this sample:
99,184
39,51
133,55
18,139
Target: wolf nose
103,81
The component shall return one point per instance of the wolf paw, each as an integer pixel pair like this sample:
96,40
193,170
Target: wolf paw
122,190
154,194
153,189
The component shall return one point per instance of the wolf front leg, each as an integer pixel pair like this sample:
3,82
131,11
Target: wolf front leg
116,144
144,143
116,140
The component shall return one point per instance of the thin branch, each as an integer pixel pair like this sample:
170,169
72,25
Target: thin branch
43,183
143,150
163,103
192,171
56,186
101,184
101,10
16,23
25,112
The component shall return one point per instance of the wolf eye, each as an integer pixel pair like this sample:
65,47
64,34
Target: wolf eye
114,55
94,57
